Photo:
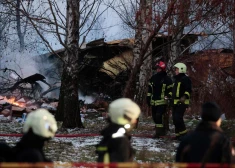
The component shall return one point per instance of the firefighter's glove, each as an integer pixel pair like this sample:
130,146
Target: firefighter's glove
169,96
166,98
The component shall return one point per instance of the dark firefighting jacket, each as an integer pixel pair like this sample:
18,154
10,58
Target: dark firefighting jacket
5,153
182,87
207,144
30,149
115,146
160,85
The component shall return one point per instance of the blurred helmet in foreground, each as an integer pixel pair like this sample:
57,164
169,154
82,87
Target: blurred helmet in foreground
123,111
41,122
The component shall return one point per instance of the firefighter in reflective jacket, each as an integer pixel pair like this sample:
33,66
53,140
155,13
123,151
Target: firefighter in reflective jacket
115,145
181,91
160,85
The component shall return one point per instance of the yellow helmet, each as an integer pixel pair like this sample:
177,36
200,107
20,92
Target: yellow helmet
181,66
123,111
41,122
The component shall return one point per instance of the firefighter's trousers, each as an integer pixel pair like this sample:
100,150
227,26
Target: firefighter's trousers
158,118
177,115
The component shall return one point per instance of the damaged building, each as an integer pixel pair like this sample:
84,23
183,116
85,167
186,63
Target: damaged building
105,66
212,79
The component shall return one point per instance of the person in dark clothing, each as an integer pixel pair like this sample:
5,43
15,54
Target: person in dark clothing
5,152
115,145
207,143
160,85
38,128
181,92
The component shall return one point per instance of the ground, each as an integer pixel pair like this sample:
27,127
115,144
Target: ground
82,149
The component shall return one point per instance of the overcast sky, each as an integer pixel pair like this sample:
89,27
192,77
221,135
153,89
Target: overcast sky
110,23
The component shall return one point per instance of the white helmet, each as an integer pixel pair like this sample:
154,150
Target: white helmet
42,123
181,66
123,111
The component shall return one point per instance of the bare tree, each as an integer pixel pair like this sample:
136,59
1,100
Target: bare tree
170,18
5,22
147,25
20,20
67,29
226,14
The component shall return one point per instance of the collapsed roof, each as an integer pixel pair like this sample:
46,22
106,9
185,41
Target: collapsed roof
104,66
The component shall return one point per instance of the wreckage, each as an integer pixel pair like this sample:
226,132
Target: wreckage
104,69
105,66
22,95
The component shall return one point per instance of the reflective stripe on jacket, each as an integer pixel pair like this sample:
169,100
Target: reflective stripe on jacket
160,85
182,87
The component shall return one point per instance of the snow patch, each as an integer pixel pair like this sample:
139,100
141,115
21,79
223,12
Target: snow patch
147,144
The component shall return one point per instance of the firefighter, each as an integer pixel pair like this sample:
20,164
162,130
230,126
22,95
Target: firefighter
39,127
207,143
5,152
115,145
160,85
181,92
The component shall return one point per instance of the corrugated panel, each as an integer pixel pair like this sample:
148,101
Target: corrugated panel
117,64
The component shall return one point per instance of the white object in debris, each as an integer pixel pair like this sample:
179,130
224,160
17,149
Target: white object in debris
82,117
1,116
14,76
100,118
24,116
21,120
223,117
22,100
48,106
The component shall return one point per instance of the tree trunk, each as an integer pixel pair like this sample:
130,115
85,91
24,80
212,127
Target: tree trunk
140,49
137,85
18,25
233,64
130,87
59,116
175,48
177,31
146,68
70,101
69,90
233,31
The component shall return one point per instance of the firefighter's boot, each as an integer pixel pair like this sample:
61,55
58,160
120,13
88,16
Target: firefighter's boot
166,121
159,131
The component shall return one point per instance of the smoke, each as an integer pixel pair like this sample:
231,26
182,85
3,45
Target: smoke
88,99
21,62
24,64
